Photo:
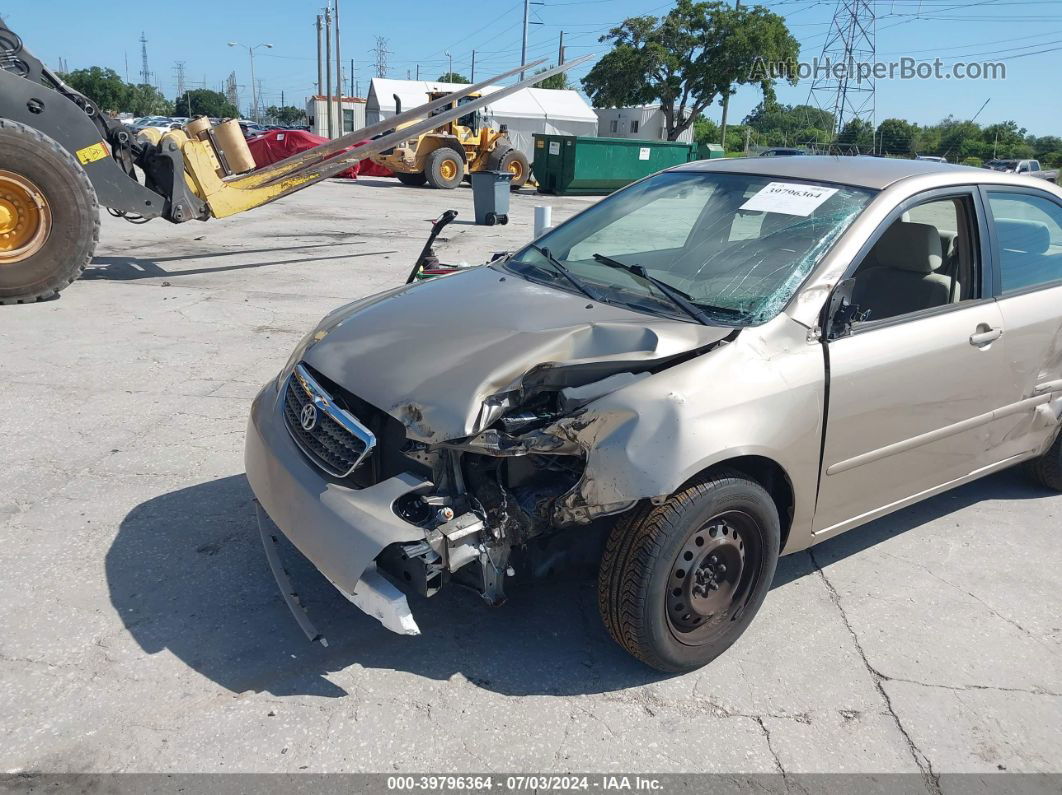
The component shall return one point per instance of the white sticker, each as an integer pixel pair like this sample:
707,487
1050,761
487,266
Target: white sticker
554,147
788,198
643,153
280,137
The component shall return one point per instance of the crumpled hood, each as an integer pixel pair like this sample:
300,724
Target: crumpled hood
432,353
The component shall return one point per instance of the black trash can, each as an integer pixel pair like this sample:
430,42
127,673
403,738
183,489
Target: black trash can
490,196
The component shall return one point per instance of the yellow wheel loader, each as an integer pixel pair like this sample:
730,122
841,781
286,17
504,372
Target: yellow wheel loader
455,149
61,158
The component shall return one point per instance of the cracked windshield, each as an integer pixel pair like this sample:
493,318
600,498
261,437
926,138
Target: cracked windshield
703,247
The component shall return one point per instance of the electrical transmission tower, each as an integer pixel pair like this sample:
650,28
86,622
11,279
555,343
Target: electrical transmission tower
848,94
381,53
178,68
232,93
145,72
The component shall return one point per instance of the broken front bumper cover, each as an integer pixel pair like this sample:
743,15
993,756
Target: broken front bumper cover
339,529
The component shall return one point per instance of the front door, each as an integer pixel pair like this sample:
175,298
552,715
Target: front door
913,387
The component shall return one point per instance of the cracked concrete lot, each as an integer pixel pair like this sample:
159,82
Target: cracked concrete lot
142,631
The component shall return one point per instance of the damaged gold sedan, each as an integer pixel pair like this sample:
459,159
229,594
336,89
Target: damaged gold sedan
722,363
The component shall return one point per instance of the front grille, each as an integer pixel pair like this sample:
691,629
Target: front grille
336,441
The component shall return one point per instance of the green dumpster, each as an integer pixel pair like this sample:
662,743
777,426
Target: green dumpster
568,165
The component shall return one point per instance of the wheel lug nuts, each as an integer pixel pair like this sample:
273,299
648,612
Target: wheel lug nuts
720,569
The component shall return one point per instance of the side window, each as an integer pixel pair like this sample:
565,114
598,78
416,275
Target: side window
1034,165
614,127
1029,231
634,125
926,259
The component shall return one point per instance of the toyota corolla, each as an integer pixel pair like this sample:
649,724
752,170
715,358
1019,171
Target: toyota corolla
722,363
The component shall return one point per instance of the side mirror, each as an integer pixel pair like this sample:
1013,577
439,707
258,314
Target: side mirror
841,312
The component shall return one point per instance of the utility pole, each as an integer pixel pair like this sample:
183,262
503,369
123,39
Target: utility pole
726,102
126,66
353,72
450,73
523,48
181,89
339,77
851,39
473,78
328,68
320,77
381,53
418,71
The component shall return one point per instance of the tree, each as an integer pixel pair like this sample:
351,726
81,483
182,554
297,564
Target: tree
204,102
102,86
857,134
896,137
453,77
286,114
557,82
788,125
705,131
686,60
145,100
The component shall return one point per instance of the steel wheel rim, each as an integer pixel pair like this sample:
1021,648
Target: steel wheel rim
25,218
516,168
448,169
712,577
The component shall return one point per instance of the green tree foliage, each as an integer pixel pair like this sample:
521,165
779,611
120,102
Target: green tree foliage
453,77
790,125
102,86
857,135
688,59
705,131
145,100
204,102
897,137
286,114
557,82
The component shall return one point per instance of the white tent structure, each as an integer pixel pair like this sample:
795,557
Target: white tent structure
532,110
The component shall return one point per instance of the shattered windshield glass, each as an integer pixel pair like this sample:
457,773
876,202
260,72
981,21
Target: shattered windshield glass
735,246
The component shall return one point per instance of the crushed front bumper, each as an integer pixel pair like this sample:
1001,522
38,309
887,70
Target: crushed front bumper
339,529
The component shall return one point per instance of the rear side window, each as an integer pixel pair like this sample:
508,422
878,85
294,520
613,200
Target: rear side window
1029,232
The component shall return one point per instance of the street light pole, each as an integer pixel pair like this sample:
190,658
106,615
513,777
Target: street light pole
254,93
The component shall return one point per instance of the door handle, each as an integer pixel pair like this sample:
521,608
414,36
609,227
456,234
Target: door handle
985,335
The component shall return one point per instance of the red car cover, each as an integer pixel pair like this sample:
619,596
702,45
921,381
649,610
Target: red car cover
275,145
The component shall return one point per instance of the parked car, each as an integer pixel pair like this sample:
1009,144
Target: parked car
251,129
712,367
1030,167
781,152
931,158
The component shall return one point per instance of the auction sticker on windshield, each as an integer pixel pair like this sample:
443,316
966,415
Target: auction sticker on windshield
789,198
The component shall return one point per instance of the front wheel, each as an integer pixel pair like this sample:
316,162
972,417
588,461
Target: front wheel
444,168
680,582
49,218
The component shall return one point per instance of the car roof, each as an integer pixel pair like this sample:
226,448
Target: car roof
863,172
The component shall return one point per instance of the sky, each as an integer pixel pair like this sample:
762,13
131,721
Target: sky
1025,35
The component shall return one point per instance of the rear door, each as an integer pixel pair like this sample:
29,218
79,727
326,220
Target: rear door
1026,237
914,385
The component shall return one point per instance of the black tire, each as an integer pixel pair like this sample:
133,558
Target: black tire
515,162
74,228
444,168
490,219
662,590
414,180
503,219
1047,469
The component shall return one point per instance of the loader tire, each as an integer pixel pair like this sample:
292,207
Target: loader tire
49,216
444,168
515,162
415,180
680,582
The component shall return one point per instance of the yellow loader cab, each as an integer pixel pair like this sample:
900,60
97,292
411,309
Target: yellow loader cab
448,154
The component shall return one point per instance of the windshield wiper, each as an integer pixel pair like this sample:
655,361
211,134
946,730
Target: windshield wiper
675,295
564,271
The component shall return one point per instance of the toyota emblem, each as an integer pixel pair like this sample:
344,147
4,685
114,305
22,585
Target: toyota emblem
308,417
